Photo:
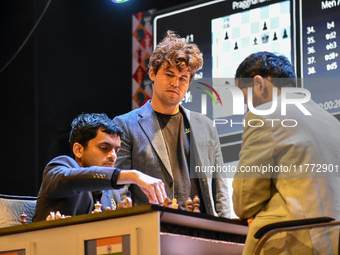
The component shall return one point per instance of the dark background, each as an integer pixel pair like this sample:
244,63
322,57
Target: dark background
77,60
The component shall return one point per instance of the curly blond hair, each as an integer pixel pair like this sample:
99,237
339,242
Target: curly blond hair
174,51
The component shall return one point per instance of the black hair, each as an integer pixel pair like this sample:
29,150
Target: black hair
267,65
86,125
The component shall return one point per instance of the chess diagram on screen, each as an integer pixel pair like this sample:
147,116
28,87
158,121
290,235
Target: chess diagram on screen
235,36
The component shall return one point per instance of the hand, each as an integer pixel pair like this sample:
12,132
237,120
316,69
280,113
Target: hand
152,187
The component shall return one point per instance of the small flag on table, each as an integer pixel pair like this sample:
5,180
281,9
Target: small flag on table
116,245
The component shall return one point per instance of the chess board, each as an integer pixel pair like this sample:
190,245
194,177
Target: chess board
236,36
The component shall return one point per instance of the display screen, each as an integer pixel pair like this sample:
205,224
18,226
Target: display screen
320,33
234,37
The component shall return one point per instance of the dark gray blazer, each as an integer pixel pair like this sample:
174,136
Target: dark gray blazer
143,148
66,187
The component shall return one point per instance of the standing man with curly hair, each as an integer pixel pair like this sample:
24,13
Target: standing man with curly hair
167,141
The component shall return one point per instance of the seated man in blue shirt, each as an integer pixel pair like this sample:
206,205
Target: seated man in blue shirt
73,185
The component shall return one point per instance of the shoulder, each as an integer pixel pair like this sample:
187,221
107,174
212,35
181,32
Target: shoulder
126,116
196,117
64,161
201,122
133,115
255,122
201,126
259,131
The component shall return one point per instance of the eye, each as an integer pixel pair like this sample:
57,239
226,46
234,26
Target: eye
103,148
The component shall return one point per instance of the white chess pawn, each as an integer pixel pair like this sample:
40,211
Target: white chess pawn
174,204
98,207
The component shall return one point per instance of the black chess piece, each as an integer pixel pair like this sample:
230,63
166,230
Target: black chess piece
265,26
275,37
255,41
226,36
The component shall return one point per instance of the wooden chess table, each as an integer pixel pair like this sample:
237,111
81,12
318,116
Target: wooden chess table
142,230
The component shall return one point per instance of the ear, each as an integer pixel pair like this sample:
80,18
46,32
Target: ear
78,150
259,84
152,74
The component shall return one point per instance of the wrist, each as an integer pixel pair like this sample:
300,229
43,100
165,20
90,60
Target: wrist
114,179
127,177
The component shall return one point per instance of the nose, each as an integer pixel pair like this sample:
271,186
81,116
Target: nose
112,155
175,81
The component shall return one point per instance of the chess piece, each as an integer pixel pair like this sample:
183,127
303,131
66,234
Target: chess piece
51,216
98,207
265,26
275,36
226,23
285,35
57,215
226,36
126,204
255,41
196,202
121,206
236,46
174,204
265,38
23,219
189,204
167,202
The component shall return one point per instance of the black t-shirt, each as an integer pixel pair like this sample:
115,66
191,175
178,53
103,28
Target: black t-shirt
175,130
